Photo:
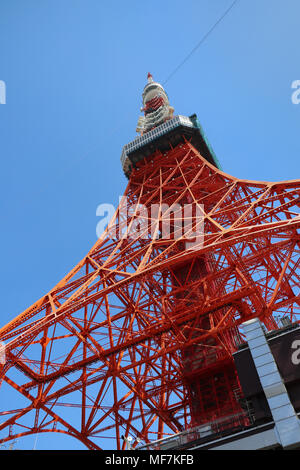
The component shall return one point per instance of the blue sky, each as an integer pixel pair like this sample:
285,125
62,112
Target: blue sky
74,72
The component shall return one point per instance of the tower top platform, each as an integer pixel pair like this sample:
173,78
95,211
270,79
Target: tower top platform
163,137
160,130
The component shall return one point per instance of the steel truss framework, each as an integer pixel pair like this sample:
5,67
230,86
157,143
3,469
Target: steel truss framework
105,352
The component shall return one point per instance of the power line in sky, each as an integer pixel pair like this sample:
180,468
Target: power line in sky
201,41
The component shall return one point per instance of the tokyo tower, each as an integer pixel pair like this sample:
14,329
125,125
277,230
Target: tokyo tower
137,341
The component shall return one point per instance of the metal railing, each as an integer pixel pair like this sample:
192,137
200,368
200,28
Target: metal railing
206,432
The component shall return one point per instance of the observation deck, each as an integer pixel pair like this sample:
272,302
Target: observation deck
165,136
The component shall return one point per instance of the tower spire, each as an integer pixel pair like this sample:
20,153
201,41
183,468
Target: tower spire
156,106
149,77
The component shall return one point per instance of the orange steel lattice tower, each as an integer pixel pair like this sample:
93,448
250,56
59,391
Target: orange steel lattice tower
137,339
